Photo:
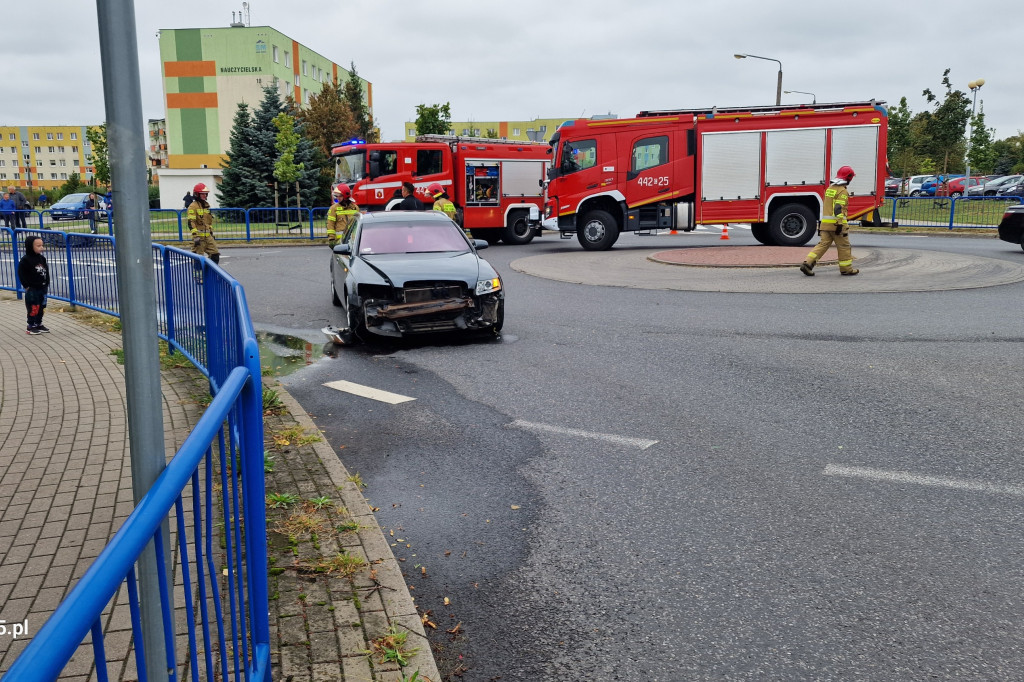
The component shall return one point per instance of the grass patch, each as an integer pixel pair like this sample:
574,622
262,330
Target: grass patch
348,527
272,403
343,564
281,500
357,479
320,502
391,646
295,435
118,354
300,523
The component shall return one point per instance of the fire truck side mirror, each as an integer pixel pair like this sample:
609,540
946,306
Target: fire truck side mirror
553,173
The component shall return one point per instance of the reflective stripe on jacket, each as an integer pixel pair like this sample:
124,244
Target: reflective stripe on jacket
200,220
836,199
445,206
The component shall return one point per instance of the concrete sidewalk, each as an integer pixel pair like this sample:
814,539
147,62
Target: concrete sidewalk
65,489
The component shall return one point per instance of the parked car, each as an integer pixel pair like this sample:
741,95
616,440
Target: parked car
1012,189
991,188
892,186
409,272
912,185
71,207
956,185
1011,227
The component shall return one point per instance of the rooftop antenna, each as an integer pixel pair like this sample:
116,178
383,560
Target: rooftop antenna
245,8
235,23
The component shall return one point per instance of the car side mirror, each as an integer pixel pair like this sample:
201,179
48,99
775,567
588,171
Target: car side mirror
480,244
342,249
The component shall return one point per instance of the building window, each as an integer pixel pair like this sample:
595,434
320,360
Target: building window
287,58
2,163
476,132
74,136
465,131
60,136
3,176
63,176
39,150
543,129
61,149
17,176
412,132
287,86
49,136
63,162
39,163
304,69
53,162
305,96
53,176
51,149
515,131
10,136
74,150
277,57
35,136
24,143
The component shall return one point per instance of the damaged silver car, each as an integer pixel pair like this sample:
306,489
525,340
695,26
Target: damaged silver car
411,272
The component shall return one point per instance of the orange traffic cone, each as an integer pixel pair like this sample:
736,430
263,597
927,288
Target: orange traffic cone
725,232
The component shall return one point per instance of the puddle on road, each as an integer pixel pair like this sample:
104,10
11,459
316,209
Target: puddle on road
282,354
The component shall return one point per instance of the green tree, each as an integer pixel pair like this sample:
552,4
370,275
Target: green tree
982,154
99,157
435,119
71,185
945,126
491,134
286,170
900,145
241,184
360,112
325,121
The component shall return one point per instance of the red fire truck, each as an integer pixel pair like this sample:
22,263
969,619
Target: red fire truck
493,183
767,166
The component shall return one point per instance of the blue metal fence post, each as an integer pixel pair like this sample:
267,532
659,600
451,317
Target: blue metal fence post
248,235
310,223
181,236
19,290
71,271
895,199
168,298
952,211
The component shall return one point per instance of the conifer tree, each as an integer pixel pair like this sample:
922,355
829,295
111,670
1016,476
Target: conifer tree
241,185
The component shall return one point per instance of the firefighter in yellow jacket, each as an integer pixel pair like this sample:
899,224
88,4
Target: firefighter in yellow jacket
341,216
200,224
834,226
444,204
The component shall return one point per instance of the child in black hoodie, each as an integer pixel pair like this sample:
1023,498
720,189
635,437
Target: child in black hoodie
35,277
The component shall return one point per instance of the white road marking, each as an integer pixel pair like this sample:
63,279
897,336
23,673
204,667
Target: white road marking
368,392
641,443
935,481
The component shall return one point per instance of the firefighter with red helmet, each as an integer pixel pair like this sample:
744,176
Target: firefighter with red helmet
341,216
834,226
444,204
200,224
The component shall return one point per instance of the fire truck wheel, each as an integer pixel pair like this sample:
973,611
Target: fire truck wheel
792,225
517,231
598,231
761,233
492,237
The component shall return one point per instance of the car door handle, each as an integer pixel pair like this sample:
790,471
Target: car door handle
592,186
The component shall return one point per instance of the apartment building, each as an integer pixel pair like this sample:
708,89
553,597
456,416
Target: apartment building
43,157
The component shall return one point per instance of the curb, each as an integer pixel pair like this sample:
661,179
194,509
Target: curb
398,603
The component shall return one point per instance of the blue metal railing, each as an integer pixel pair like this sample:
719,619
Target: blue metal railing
202,314
949,212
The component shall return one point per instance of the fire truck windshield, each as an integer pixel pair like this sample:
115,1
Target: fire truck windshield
350,167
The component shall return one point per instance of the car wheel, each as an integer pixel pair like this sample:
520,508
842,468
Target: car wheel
517,231
956,195
916,193
792,225
761,233
598,231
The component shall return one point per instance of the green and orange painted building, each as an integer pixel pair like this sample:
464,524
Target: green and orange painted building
208,71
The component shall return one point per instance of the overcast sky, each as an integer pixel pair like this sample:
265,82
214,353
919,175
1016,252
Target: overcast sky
556,58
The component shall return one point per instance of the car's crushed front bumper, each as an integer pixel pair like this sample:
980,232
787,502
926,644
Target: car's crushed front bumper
448,314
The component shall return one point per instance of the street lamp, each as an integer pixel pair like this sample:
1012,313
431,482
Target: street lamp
814,98
778,88
974,87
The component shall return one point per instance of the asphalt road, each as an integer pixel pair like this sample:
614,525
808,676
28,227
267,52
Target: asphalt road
834,492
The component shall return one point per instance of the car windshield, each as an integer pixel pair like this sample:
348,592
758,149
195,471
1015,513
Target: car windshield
404,238
73,198
350,167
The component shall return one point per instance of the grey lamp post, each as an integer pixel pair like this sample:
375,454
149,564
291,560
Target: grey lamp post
778,87
974,87
814,98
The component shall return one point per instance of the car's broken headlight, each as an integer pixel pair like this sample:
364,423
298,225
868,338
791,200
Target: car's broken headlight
488,286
